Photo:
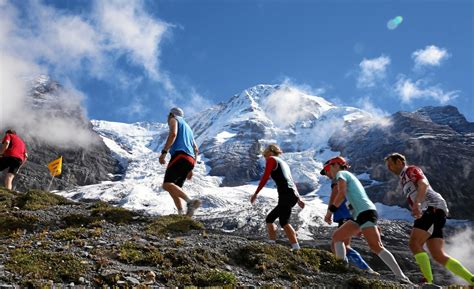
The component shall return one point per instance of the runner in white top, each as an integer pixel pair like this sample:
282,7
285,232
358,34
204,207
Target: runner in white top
430,210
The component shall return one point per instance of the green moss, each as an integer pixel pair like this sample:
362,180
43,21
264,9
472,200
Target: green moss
9,223
173,224
131,253
36,200
324,260
74,233
270,261
114,214
35,264
79,220
214,278
7,199
364,283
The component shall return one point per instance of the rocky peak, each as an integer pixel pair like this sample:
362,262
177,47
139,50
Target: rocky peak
447,115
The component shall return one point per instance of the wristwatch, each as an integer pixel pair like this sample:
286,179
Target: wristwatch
164,152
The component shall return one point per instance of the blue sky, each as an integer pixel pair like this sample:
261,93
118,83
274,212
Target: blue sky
132,60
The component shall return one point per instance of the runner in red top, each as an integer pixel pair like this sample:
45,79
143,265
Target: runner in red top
287,194
12,156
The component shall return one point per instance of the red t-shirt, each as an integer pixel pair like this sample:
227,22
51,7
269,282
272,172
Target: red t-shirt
16,147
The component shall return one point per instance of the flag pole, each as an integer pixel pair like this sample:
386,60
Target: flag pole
50,183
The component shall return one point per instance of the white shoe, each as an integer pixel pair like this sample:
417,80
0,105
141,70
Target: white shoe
430,286
372,272
192,206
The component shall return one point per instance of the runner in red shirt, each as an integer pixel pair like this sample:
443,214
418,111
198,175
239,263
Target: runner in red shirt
12,156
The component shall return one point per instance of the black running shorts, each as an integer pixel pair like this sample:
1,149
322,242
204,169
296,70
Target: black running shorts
367,218
282,211
432,221
342,221
13,164
178,169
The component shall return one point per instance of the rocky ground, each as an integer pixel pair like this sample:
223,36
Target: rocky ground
46,239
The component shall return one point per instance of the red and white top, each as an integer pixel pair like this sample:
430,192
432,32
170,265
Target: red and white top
409,178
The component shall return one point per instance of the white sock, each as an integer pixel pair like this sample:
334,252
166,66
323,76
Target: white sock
295,246
340,249
187,199
390,261
180,212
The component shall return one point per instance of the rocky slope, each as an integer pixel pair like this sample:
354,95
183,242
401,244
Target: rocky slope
438,139
46,239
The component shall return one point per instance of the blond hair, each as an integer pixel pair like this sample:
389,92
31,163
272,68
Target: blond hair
274,149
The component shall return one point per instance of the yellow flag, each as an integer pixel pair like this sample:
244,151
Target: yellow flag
55,166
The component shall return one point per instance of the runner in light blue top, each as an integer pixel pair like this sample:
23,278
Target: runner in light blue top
365,214
355,193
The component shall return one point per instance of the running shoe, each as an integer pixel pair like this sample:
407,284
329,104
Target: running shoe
430,286
192,206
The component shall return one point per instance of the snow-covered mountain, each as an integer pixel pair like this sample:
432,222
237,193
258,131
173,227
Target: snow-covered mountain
230,136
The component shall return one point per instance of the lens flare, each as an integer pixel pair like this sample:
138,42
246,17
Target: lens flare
393,23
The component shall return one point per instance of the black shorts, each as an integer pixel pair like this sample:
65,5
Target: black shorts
282,211
178,168
367,216
13,164
432,221
342,221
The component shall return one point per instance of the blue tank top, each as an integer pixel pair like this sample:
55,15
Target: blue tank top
184,141
342,212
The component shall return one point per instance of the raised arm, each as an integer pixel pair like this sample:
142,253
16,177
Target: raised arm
269,166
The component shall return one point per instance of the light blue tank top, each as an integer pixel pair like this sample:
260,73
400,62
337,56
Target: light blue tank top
184,139
355,194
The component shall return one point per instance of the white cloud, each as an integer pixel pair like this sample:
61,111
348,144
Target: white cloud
408,91
379,116
430,56
372,70
45,40
129,29
196,103
460,246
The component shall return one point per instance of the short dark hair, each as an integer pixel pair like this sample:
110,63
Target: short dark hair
396,156
10,131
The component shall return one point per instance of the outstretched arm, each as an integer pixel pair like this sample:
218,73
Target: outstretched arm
270,165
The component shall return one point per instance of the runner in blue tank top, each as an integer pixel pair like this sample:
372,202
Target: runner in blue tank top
365,215
183,149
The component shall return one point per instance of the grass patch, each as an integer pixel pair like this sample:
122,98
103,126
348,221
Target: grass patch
75,233
79,220
364,283
7,199
35,264
9,224
114,214
275,261
36,200
173,224
215,278
132,253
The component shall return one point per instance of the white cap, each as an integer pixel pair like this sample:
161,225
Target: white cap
176,111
